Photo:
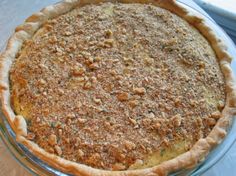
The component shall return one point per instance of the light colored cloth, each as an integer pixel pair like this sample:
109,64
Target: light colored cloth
14,12
9,166
229,5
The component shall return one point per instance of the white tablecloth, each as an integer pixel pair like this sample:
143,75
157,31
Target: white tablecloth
12,13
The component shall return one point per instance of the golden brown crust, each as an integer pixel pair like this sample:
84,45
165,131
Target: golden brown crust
186,160
77,80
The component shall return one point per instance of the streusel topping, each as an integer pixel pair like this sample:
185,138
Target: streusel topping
117,86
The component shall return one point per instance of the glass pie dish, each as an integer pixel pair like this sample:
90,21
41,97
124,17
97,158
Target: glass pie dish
25,157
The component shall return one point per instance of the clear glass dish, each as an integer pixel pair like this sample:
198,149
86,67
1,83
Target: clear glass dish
38,167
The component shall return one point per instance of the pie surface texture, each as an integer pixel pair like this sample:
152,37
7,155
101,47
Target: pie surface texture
118,86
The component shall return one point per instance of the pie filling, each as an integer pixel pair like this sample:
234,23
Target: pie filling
117,86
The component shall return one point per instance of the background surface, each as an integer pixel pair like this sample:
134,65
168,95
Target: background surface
13,13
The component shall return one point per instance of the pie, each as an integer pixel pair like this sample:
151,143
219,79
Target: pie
117,88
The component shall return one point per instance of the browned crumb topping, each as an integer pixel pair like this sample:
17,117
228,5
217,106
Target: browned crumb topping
107,85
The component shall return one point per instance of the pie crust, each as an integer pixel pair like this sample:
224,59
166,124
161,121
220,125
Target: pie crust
184,161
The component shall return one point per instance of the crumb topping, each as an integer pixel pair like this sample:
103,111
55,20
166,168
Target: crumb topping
111,87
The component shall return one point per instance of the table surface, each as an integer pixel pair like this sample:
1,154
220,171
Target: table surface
13,13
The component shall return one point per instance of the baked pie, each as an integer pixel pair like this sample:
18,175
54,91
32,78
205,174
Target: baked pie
117,88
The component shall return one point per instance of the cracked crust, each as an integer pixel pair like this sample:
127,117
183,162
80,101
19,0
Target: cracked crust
183,161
